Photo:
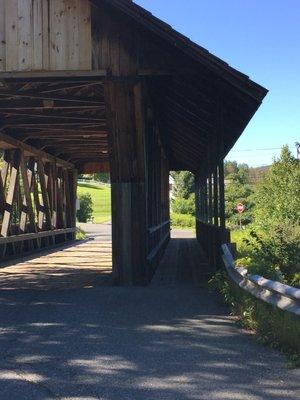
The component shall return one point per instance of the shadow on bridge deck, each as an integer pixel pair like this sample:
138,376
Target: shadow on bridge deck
80,265
89,264
184,262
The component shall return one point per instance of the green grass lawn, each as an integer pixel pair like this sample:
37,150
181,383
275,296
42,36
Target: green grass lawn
101,197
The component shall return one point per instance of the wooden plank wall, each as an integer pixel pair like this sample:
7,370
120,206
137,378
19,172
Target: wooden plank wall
45,35
210,214
114,43
158,203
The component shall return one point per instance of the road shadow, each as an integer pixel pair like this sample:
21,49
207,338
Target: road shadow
132,343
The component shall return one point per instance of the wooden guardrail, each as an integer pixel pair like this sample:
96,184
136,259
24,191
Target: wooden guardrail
38,235
158,236
277,294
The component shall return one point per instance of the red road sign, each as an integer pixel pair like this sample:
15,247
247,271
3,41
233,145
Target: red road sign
241,208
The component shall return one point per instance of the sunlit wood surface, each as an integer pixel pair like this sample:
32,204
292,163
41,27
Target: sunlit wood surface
86,264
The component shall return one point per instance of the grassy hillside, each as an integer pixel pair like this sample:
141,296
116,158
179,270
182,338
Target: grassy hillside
101,197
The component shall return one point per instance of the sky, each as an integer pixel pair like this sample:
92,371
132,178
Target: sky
260,38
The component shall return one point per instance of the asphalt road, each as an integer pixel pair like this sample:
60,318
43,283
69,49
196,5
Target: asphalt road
173,342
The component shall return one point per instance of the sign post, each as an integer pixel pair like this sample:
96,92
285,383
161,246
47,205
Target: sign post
241,209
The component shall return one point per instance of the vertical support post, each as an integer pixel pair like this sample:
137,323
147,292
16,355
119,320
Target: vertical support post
71,190
205,195
216,196
27,213
124,106
210,199
14,173
222,195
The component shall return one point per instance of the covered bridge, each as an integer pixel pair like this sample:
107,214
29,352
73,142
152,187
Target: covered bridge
103,85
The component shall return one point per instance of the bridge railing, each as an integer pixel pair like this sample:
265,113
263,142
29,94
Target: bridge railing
285,297
211,238
37,199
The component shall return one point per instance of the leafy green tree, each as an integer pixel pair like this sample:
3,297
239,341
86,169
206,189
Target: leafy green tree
86,207
278,192
230,167
235,193
238,190
184,184
101,177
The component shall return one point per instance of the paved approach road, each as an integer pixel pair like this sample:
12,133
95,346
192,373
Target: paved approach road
172,342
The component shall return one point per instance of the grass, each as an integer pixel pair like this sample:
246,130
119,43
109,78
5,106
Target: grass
101,197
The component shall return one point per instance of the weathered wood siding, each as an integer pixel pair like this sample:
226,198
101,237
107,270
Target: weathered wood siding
45,35
114,43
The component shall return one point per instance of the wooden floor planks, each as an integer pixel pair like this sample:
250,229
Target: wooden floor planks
86,264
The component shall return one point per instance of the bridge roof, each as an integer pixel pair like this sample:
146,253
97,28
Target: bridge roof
201,103
187,46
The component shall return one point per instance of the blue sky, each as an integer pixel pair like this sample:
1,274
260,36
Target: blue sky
260,38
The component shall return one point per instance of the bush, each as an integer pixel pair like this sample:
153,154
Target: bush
86,207
181,205
182,221
277,255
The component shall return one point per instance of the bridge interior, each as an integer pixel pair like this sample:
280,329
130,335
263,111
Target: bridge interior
88,264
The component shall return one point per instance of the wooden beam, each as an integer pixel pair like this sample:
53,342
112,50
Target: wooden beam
38,235
8,142
44,203
39,96
13,181
50,76
27,209
45,118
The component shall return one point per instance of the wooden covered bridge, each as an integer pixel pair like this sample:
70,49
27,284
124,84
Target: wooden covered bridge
103,85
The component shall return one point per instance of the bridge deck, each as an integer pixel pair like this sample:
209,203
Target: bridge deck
89,264
85,264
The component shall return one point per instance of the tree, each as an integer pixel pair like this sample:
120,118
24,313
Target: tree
102,177
184,184
230,167
278,192
237,192
86,207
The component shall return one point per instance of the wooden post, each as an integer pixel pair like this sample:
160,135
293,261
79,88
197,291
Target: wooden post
210,198
216,196
14,173
222,195
127,167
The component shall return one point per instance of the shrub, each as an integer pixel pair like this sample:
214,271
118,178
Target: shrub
182,221
181,205
86,207
277,255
